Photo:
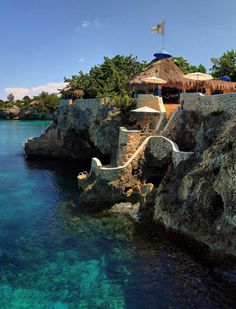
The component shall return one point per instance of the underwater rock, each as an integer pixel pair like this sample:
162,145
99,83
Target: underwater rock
126,208
65,283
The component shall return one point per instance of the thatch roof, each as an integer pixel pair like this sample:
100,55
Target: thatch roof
69,91
78,93
165,69
219,85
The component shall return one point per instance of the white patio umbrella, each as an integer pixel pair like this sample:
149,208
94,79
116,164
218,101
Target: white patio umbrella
198,76
154,80
145,110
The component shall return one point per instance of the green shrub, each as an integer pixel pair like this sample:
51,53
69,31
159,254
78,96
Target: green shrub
124,103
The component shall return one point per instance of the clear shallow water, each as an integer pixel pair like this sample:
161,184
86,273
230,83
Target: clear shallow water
54,256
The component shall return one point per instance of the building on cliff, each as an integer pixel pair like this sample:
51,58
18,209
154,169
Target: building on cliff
176,82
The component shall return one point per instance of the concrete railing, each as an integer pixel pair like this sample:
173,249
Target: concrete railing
208,104
112,173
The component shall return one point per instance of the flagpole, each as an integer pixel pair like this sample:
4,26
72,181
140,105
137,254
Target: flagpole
163,34
160,29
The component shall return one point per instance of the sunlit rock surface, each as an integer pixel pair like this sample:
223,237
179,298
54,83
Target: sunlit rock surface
79,131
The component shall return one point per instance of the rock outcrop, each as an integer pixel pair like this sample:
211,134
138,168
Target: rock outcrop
183,128
78,131
12,113
16,113
198,197
31,114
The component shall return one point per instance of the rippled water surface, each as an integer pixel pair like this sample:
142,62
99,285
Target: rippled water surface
55,256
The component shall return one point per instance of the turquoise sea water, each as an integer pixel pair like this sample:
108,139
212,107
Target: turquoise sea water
53,255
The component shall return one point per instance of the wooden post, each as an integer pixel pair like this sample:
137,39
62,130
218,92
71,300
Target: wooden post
208,91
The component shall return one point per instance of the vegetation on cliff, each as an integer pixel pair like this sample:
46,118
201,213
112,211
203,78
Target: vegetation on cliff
42,106
107,79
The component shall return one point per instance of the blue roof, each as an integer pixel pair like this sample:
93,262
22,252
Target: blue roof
162,55
225,78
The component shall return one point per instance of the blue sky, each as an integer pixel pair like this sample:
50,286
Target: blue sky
42,41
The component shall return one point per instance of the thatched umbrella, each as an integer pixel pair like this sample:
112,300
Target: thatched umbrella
78,93
198,76
68,91
154,80
146,111
165,69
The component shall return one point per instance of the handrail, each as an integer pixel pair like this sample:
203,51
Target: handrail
175,148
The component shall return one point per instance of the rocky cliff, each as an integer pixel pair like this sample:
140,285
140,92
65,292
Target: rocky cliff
198,198
78,131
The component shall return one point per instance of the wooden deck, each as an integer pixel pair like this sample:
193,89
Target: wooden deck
170,108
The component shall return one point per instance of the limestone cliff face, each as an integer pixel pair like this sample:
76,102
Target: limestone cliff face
183,128
198,198
78,131
12,113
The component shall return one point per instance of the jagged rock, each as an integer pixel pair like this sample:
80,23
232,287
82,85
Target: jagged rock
107,136
23,114
126,208
79,131
12,113
198,198
3,114
183,129
30,114
98,191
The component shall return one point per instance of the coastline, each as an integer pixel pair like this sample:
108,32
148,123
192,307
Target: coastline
164,190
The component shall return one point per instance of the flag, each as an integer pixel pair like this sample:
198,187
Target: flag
160,28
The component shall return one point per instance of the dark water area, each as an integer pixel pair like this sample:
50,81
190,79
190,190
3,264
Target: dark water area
54,255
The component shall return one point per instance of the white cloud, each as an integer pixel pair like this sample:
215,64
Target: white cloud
96,23
19,93
82,60
85,24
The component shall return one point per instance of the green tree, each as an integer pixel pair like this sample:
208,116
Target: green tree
225,65
186,67
47,102
10,97
108,78
2,104
27,99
